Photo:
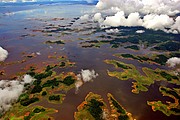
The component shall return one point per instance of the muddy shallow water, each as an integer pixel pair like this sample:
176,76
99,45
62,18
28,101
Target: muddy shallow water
17,36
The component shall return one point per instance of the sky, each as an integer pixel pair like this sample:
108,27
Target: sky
89,1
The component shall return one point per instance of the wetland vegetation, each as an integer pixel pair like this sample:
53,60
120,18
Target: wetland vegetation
94,108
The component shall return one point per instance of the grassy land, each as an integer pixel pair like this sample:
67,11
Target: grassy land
168,46
29,113
141,81
47,82
133,47
94,108
160,59
54,42
118,110
169,108
91,108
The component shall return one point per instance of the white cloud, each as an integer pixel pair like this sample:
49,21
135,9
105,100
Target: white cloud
3,54
140,31
174,61
176,25
10,90
112,31
85,17
169,7
119,19
151,14
157,22
78,84
98,18
151,21
87,75
83,77
128,6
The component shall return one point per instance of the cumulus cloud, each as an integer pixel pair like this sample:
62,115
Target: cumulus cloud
157,22
10,90
87,75
153,14
151,21
85,17
98,18
119,19
169,7
83,77
140,31
176,26
174,61
112,31
3,54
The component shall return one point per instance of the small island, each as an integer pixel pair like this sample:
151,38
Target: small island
94,108
169,108
141,81
46,83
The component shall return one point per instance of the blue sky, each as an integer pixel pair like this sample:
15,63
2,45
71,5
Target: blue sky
48,0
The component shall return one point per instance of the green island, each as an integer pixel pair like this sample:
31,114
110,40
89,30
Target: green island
56,98
148,38
133,47
43,88
90,44
29,113
160,59
94,108
55,29
141,82
169,108
168,46
155,39
54,42
117,111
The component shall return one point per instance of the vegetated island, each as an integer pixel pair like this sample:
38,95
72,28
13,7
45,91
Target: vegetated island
168,46
47,82
169,108
133,47
54,42
94,108
160,59
141,81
